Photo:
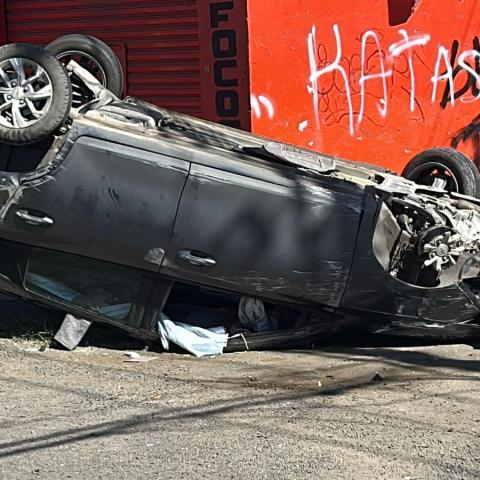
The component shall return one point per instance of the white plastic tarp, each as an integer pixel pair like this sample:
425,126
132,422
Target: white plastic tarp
198,341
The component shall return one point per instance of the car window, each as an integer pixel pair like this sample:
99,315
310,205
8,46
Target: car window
99,287
23,158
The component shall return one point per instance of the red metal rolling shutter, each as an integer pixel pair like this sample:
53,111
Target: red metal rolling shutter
158,40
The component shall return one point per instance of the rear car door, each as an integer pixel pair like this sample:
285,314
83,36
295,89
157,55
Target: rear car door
266,231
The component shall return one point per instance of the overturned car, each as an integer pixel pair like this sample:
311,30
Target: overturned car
122,212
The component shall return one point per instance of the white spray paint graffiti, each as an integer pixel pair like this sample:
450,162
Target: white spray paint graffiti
384,70
259,101
312,60
383,108
335,66
405,45
448,75
462,61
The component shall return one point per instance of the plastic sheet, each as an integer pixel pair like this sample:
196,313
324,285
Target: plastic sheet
198,341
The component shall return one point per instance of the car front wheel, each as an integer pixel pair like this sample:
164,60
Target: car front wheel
35,94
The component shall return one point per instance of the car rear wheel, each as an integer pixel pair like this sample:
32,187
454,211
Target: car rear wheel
444,168
93,55
35,94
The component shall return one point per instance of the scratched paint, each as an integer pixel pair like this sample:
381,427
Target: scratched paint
346,82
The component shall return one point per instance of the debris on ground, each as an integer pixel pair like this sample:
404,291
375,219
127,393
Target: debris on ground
71,332
137,358
198,341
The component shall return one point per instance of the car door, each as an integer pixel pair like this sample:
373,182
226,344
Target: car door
105,200
266,231
97,224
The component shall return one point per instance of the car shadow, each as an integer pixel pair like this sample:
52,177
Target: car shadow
26,321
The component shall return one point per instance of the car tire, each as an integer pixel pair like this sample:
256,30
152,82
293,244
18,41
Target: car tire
445,168
92,50
40,101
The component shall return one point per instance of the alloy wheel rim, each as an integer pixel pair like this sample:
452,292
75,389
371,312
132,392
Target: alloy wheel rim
26,92
80,93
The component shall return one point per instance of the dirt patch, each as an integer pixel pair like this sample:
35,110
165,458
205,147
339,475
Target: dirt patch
316,414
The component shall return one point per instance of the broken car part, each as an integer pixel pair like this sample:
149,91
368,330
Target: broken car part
72,331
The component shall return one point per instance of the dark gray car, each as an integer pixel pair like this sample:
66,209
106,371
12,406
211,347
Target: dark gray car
129,200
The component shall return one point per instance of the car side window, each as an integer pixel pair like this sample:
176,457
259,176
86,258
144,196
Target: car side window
23,158
102,288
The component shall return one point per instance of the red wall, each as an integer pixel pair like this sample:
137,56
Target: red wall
337,77
187,55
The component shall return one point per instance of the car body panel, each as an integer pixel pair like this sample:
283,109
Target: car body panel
288,238
107,201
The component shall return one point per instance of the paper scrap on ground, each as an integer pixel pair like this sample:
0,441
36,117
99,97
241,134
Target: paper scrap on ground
136,357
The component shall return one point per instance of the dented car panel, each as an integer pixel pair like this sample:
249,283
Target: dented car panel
133,199
104,203
390,304
286,238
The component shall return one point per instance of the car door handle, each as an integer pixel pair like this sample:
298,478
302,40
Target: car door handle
199,260
31,219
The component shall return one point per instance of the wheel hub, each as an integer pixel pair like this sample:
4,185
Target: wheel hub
433,173
442,250
18,93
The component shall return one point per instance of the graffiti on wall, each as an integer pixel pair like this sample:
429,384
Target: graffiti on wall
471,73
375,81
261,105
339,84
470,134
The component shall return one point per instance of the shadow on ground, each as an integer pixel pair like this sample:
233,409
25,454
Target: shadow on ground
21,320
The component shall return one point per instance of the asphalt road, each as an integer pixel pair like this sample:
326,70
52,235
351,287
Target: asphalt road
340,412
